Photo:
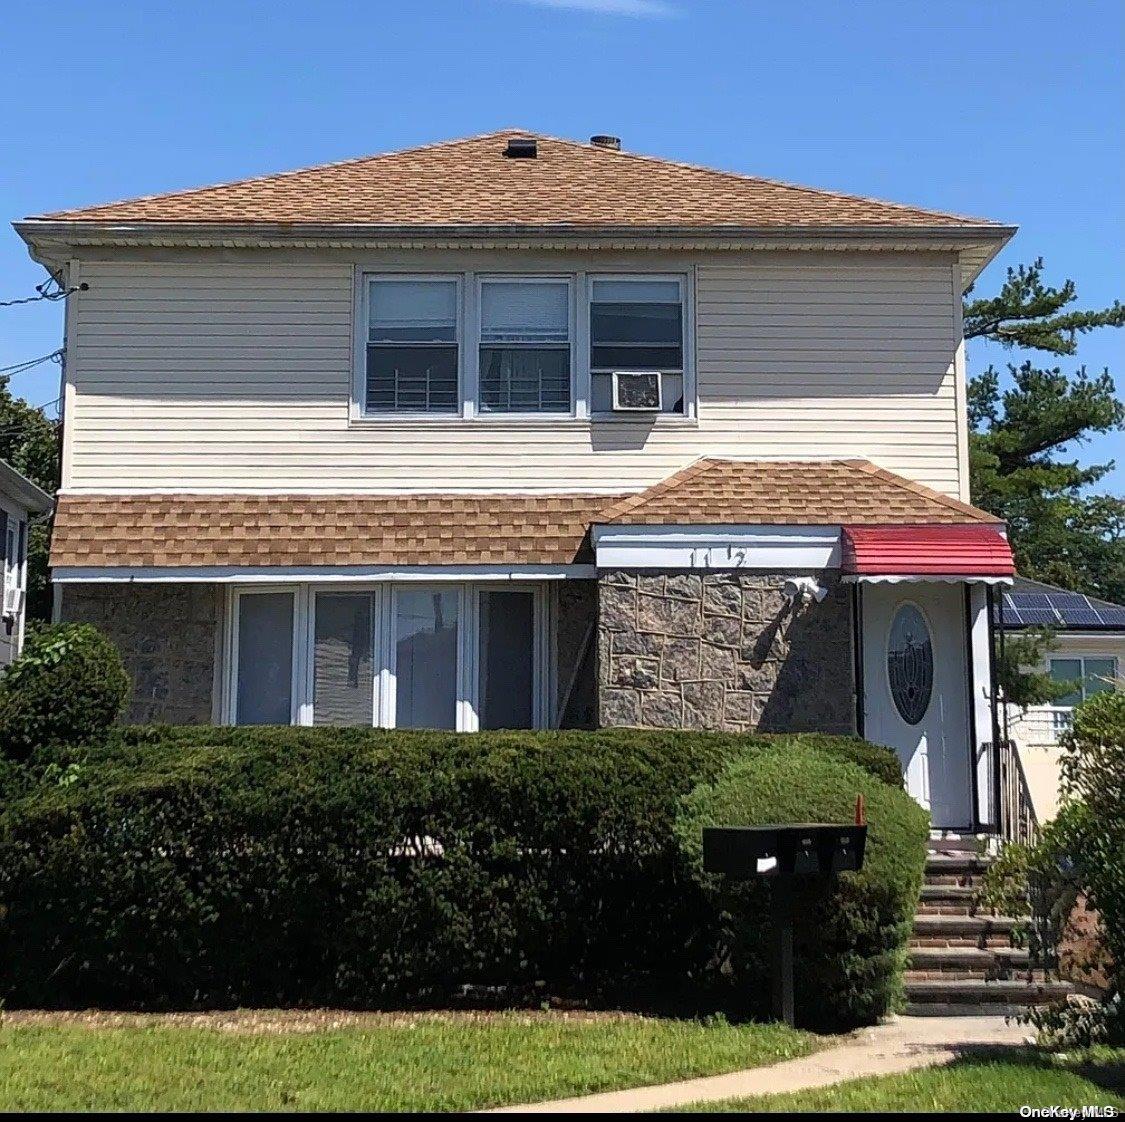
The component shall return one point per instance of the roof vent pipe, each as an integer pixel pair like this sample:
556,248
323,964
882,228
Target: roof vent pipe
601,140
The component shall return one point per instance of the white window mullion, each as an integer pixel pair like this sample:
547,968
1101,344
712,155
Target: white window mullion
581,349
387,680
470,356
303,657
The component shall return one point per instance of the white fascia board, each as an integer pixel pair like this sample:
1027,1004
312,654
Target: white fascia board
775,548
281,574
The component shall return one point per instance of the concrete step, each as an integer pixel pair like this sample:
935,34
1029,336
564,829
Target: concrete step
991,993
969,958
944,908
957,843
934,893
953,1009
956,864
964,925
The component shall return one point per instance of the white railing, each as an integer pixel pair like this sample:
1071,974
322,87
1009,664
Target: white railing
1039,726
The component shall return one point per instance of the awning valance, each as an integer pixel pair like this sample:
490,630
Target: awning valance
927,553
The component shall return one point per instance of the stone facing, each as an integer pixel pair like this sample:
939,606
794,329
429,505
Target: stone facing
723,650
167,636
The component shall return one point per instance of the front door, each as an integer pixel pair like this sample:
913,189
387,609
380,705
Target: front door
916,697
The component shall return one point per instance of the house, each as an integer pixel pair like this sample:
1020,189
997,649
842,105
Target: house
19,500
1086,652
515,431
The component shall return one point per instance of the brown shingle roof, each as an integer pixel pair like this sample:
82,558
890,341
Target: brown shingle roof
321,530
795,492
470,182
159,531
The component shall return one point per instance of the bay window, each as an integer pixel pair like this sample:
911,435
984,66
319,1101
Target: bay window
524,346
449,655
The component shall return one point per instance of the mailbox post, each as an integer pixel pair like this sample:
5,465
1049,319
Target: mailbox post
781,854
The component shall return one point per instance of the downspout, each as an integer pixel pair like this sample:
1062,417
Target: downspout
857,655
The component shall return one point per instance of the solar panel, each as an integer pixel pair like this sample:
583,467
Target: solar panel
1011,612
1037,600
1112,617
1039,617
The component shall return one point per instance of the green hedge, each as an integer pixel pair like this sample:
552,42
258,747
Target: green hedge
850,943
64,691
245,866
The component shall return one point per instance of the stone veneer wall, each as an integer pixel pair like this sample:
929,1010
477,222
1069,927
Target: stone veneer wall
167,636
723,650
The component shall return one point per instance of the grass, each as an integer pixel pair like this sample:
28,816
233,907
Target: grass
976,1084
388,1063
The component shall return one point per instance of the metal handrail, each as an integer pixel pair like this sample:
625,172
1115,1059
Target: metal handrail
1018,821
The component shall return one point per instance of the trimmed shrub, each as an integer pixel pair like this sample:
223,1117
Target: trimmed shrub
64,691
850,942
195,867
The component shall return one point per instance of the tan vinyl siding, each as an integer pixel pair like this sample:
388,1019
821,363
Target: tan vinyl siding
236,376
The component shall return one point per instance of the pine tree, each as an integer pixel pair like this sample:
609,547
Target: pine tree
1063,531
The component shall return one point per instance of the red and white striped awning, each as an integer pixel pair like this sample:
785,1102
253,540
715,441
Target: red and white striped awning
927,553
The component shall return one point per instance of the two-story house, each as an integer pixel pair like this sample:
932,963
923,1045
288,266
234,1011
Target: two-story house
514,431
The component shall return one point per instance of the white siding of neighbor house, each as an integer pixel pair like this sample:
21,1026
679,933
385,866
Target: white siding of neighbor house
234,374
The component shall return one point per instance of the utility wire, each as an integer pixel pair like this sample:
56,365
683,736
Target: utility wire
20,367
43,294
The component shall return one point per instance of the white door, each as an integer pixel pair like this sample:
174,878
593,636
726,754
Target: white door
916,696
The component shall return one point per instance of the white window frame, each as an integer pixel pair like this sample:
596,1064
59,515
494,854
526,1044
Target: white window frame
472,396
299,693
384,616
468,343
686,284
359,410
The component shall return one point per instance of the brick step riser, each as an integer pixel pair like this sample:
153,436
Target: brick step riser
951,880
1032,997
964,942
946,908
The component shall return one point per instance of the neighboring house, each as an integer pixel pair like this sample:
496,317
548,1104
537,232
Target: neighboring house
515,431
19,500
1087,653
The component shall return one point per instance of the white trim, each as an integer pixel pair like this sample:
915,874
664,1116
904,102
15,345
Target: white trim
297,685
233,574
357,410
925,578
717,547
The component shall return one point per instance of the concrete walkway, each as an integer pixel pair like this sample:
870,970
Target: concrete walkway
902,1044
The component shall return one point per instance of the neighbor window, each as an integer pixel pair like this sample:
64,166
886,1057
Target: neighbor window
1088,676
524,346
637,324
412,351
264,686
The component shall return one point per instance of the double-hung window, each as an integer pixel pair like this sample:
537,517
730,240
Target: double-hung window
413,357
525,364
637,324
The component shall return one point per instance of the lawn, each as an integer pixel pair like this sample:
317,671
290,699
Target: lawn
999,1085
329,1062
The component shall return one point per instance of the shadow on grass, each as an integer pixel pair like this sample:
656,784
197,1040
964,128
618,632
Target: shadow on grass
1104,1067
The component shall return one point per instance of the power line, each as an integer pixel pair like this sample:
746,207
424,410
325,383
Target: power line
43,294
20,367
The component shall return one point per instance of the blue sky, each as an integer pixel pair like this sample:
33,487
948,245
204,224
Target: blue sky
1008,109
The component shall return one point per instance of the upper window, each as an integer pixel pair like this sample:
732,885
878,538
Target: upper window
412,351
1088,676
637,324
524,346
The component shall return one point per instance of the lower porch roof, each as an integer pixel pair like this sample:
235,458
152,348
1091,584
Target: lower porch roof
255,531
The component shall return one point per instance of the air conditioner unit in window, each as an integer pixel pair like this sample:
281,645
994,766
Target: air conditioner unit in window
13,602
637,391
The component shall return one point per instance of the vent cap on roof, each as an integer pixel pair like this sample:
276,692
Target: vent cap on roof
522,148
603,140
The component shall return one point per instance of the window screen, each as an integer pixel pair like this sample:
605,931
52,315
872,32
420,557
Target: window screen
637,325
265,659
507,659
525,347
343,676
412,353
426,658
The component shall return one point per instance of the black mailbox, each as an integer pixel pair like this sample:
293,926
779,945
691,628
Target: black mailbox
797,849
781,853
